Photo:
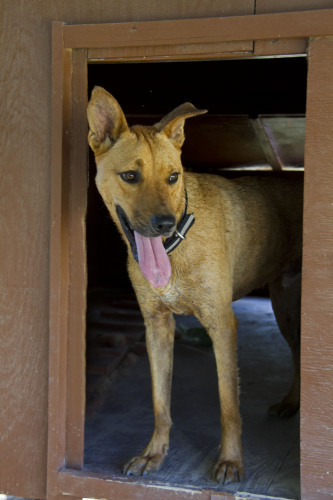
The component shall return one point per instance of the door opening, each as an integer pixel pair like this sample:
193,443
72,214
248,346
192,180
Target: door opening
255,125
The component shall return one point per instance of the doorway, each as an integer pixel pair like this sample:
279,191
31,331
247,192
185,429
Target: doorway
251,104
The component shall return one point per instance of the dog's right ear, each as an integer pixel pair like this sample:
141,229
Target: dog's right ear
172,125
106,121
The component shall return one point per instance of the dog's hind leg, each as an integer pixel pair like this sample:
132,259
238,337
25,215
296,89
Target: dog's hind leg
222,329
160,329
285,294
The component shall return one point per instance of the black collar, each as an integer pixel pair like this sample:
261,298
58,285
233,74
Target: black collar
185,223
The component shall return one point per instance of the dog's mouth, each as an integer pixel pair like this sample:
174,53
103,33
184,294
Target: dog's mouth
127,228
149,252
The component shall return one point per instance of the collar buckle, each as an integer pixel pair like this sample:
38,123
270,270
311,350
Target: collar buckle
183,227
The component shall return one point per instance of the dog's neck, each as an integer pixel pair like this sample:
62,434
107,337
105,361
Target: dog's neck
184,225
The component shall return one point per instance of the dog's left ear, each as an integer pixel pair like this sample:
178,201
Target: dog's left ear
172,125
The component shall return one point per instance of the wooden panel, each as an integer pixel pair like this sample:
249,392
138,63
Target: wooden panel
265,6
199,51
24,195
172,52
68,273
263,138
285,135
59,256
99,486
77,262
206,30
25,118
280,47
23,392
317,307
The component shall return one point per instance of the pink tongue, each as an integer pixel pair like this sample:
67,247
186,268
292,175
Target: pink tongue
153,260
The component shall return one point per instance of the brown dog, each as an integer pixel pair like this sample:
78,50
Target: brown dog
247,233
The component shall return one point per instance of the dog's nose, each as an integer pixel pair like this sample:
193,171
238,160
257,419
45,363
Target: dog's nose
163,224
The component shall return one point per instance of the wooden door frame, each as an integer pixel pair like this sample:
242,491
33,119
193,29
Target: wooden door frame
74,46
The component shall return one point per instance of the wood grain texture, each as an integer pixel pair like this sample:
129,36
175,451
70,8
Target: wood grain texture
280,47
206,30
317,308
265,6
24,194
74,482
77,263
25,36
59,256
172,52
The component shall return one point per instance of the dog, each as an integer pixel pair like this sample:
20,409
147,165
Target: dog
196,242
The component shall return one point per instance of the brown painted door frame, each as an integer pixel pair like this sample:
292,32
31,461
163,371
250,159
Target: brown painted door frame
74,46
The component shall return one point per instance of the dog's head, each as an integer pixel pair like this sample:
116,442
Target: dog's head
139,169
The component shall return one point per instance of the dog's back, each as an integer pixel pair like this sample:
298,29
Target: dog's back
259,219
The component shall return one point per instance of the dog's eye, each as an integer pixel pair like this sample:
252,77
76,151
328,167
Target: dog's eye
131,176
173,178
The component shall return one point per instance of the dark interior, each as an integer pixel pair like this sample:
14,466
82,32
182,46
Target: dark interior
252,87
250,103
235,93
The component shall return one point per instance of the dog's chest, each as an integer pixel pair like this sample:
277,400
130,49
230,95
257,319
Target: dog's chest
176,300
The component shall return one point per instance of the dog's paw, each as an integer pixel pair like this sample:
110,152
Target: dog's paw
284,409
143,465
228,471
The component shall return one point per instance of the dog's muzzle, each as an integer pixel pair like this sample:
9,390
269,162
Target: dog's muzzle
162,225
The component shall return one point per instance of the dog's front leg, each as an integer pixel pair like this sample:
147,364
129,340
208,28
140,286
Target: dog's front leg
222,329
160,328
